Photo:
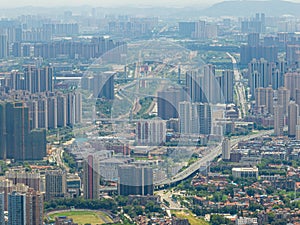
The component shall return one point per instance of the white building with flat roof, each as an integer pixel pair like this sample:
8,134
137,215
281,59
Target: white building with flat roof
245,172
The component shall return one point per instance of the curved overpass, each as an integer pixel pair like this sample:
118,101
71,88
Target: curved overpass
216,151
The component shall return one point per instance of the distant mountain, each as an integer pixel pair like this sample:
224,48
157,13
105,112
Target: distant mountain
248,8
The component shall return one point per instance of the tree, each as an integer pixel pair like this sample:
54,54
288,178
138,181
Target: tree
250,191
218,220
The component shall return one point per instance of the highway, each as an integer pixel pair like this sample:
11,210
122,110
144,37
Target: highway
215,152
239,88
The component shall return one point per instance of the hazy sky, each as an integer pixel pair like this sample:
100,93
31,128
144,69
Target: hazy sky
108,3
105,3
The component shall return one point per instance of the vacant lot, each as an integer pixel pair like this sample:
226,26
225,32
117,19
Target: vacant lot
190,217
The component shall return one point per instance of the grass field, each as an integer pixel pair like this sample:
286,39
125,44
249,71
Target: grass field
188,215
83,217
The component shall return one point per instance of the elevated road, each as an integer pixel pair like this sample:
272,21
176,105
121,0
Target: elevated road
239,88
214,153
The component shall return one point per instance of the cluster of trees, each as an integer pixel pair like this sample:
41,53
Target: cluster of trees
80,203
218,220
70,161
135,210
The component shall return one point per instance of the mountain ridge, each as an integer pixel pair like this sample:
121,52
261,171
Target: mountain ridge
248,8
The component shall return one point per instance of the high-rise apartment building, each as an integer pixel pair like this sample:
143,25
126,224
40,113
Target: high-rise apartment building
260,74
167,103
32,179
16,208
4,46
91,178
33,79
292,82
55,184
52,112
264,98
195,86
185,117
25,207
226,85
34,207
283,97
2,209
151,132
202,118
226,148
134,180
6,187
293,114
61,110
195,118
20,143
278,120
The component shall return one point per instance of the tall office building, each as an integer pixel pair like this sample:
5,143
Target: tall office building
16,208
264,100
135,180
91,178
278,120
293,114
226,148
56,181
167,103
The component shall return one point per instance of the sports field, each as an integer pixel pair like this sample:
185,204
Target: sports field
83,217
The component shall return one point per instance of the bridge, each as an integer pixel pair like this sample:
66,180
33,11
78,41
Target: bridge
195,167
